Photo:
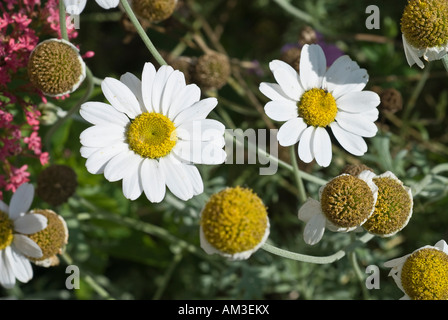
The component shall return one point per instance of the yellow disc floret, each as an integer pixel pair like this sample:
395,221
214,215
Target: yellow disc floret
425,23
55,67
317,107
425,275
151,135
6,230
234,220
392,210
53,238
347,201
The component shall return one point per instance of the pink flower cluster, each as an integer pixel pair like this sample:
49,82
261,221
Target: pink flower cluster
22,24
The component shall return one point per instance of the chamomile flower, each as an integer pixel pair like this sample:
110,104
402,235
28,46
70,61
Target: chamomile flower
345,203
15,245
234,223
77,6
393,208
423,274
152,134
318,99
424,27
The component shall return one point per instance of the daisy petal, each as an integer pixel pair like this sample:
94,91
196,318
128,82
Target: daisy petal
321,147
116,168
20,265
281,110
356,81
102,135
97,161
108,4
102,113
7,277
26,246
30,223
135,85
351,142
74,7
288,79
338,72
195,178
120,97
200,130
314,229
305,151
358,102
313,66
184,99
356,123
177,179
198,111
153,180
273,91
158,86
21,200
310,208
174,84
290,132
411,54
87,151
371,115
201,152
132,185
148,75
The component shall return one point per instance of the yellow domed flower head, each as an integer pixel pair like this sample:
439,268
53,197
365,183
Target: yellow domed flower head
154,10
346,202
51,240
424,25
234,223
56,68
422,275
393,209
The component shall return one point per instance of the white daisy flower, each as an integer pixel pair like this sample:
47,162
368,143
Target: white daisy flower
345,203
15,246
152,134
77,6
234,224
422,275
424,27
318,98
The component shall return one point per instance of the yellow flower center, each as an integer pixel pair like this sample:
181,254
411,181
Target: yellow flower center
151,135
425,23
6,230
234,220
425,275
392,208
55,67
52,239
317,107
347,201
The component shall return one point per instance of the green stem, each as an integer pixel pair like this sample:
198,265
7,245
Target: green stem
317,260
359,274
169,272
62,21
294,11
75,108
297,175
127,8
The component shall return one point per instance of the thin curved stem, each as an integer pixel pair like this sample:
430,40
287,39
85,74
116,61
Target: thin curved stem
317,260
141,32
295,11
297,175
62,21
